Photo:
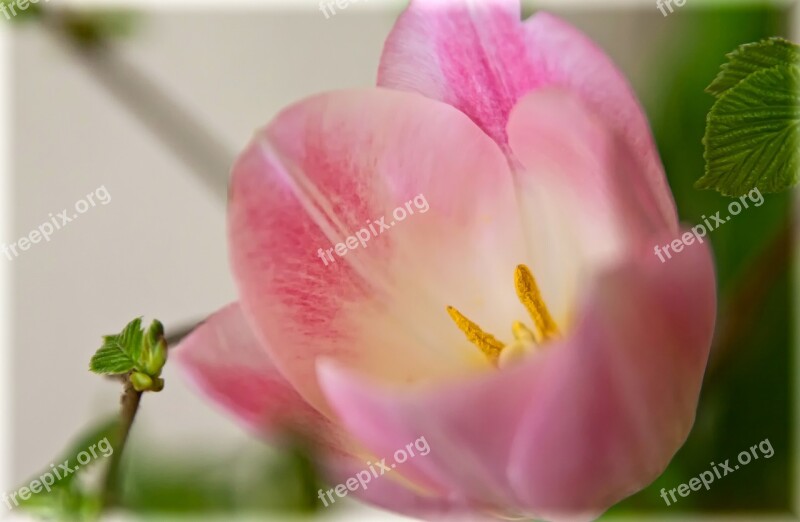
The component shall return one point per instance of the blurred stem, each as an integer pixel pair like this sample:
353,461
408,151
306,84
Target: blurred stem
178,333
130,405
742,307
186,136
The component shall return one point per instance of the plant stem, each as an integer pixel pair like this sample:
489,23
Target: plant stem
198,146
743,305
130,405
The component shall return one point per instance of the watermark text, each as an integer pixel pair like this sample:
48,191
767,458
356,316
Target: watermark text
706,478
376,470
57,222
711,223
375,229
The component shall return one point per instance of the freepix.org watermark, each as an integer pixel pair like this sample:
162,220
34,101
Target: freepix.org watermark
711,223
365,476
57,222
706,478
327,6
662,4
11,9
375,229
56,473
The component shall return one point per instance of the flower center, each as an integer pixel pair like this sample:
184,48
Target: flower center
525,340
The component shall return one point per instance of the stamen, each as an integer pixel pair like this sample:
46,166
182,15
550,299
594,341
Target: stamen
522,332
490,346
514,353
524,343
530,296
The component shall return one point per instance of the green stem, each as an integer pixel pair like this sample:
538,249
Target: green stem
744,303
130,405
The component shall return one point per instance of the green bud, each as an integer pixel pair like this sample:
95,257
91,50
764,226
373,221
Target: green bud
156,330
142,382
154,358
158,384
154,353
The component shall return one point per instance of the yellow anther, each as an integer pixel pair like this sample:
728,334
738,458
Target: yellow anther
490,346
530,296
525,339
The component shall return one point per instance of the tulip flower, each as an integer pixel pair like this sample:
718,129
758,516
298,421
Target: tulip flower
522,325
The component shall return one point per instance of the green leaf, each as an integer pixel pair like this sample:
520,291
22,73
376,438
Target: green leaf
752,135
753,57
119,353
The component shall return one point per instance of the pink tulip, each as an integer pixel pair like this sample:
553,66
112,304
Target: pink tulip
567,372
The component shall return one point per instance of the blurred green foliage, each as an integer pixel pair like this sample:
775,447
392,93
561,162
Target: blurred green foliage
255,480
10,11
85,26
91,27
71,497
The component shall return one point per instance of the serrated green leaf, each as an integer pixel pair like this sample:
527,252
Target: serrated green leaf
119,353
753,57
133,338
111,360
752,135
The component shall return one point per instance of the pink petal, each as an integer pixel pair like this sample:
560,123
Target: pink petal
471,55
479,57
577,191
226,361
393,493
576,63
619,398
569,154
469,427
586,422
326,168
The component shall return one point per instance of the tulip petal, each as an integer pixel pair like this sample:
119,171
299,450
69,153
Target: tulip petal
480,58
397,494
328,167
619,398
577,192
225,360
468,426
585,422
471,55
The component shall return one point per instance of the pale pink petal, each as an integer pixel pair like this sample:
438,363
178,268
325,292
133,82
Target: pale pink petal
573,61
479,57
225,360
469,427
619,398
582,424
394,493
328,167
577,193
471,55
